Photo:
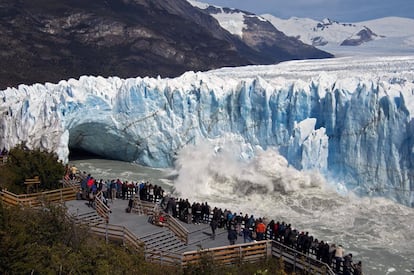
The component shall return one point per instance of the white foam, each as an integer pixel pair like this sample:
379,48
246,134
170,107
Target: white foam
376,231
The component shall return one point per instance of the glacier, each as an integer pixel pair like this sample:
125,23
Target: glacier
349,118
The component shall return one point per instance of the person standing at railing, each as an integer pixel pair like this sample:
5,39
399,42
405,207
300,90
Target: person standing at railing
213,225
325,252
118,188
205,212
112,190
260,230
358,268
73,172
347,264
315,248
339,256
232,236
332,249
307,243
239,221
247,234
270,230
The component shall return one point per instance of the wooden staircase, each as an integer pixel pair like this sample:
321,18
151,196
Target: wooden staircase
163,240
90,218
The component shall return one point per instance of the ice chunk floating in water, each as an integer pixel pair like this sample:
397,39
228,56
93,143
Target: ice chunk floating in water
349,119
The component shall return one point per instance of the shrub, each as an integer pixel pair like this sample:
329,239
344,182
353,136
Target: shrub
23,163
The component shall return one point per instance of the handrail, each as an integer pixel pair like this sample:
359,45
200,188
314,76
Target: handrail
177,228
254,251
113,232
149,208
71,183
101,208
36,199
141,206
164,257
299,260
232,254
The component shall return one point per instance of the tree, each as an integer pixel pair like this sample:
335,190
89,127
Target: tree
43,241
23,163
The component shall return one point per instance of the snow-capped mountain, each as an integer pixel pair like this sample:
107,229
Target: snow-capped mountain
348,118
259,34
390,34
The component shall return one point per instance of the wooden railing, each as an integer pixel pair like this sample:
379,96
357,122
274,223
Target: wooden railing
119,234
177,228
299,261
232,254
38,199
32,184
164,257
143,207
112,232
257,251
101,208
74,184
148,208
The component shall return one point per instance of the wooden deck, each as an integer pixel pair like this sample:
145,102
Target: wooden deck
199,236
176,243
167,247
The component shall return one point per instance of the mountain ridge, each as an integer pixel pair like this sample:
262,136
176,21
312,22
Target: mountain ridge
47,41
391,35
387,35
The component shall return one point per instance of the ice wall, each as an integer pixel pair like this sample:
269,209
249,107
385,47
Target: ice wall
350,119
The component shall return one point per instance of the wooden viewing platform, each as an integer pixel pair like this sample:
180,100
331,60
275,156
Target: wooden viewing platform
179,243
176,243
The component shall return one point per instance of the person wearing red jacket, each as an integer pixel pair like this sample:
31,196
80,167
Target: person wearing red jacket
260,230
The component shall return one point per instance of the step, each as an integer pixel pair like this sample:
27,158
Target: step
89,217
162,240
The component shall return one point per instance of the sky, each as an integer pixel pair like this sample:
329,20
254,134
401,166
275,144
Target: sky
339,10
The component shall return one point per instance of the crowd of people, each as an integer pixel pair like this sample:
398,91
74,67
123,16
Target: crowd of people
252,229
237,225
113,189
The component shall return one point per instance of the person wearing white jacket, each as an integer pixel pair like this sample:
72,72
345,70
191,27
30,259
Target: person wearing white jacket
339,256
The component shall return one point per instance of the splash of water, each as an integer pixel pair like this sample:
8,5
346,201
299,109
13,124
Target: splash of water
375,230
218,166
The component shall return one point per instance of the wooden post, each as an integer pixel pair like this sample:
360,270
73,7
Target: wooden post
294,263
268,249
106,232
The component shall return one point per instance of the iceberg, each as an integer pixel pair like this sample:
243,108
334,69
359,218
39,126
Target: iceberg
348,118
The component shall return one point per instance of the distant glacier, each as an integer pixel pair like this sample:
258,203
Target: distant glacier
349,118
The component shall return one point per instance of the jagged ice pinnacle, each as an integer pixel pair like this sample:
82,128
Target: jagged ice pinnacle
350,119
